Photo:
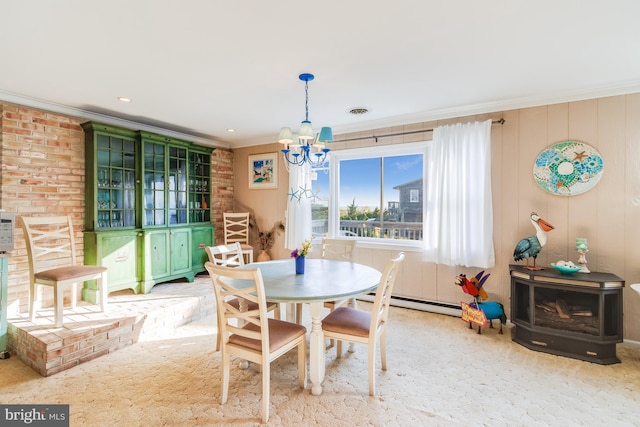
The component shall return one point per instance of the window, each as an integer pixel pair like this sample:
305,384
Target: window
371,193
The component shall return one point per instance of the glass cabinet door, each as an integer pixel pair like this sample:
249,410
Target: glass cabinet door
116,182
177,194
154,184
199,187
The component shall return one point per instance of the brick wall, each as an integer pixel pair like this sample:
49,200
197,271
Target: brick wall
222,189
43,173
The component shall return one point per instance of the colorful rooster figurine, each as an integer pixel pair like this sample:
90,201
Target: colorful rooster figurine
473,287
491,309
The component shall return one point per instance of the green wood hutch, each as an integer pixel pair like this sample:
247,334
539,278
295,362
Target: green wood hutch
148,216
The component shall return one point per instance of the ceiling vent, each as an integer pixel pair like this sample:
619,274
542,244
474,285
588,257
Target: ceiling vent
358,111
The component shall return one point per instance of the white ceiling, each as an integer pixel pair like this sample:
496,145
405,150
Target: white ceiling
198,67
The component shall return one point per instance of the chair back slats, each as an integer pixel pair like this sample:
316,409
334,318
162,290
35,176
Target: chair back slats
230,316
226,255
236,227
338,249
49,242
380,310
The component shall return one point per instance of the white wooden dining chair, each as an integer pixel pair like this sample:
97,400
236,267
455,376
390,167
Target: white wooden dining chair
260,339
236,229
366,327
226,255
51,252
336,250
231,256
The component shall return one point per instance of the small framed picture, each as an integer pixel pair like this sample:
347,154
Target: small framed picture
263,171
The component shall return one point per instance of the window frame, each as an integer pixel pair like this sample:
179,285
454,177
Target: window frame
414,195
337,156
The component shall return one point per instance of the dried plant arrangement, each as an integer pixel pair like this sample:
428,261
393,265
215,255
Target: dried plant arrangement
265,239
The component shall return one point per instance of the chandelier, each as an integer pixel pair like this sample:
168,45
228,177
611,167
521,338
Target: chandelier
305,146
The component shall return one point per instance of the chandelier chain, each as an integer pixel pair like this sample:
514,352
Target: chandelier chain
306,100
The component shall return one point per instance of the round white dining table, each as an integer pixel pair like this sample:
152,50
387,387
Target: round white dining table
323,280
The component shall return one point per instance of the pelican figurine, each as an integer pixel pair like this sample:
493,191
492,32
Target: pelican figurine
531,246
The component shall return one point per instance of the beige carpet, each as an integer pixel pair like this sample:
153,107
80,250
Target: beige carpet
439,374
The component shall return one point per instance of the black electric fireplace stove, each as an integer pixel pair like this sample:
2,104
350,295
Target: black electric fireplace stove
578,315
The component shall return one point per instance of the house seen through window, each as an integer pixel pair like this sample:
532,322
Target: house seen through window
371,193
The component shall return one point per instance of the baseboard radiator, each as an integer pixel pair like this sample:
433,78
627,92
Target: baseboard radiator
419,304
442,308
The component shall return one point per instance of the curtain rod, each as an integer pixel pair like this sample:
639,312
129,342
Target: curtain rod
375,137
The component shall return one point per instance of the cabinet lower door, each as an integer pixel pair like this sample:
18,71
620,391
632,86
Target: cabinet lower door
201,237
157,255
118,251
180,251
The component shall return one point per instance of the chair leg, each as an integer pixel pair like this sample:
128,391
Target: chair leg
218,334
383,350
32,302
302,363
371,368
58,298
332,342
266,377
74,295
299,314
276,312
104,292
249,255
339,349
226,369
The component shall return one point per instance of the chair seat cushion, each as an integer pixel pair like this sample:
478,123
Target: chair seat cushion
246,247
280,333
69,272
347,320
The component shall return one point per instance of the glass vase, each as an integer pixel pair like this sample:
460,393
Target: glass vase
300,265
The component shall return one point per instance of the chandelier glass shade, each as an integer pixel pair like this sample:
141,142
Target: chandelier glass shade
305,146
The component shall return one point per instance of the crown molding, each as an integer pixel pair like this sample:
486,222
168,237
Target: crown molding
494,106
104,118
427,116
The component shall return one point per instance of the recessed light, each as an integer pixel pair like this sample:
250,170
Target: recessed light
124,99
231,130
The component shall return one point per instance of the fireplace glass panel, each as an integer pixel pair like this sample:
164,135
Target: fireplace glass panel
522,302
567,310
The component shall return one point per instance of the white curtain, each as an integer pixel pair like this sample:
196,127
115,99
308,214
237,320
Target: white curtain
459,220
298,217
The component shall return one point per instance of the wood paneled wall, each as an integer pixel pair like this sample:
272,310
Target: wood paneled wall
608,215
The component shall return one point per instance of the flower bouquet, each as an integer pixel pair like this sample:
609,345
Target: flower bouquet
299,254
